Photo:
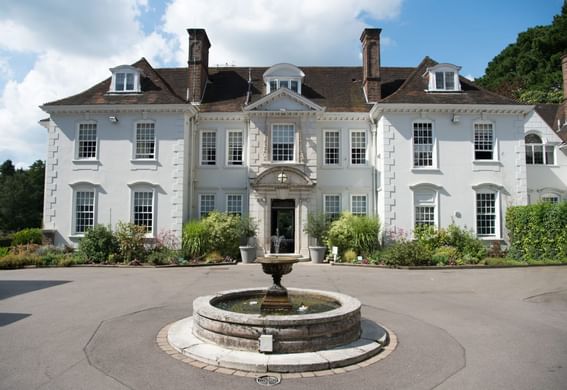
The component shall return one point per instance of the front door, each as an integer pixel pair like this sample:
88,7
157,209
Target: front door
283,226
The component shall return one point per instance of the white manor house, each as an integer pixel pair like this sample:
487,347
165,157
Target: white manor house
412,145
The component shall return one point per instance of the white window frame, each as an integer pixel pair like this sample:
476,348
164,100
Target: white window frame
78,141
294,150
82,187
434,204
497,213
495,152
229,161
433,145
338,147
544,145
281,80
326,203
550,197
445,69
144,186
351,147
201,203
241,212
352,196
135,143
126,70
202,161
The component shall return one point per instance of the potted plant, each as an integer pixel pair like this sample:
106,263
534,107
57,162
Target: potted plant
317,226
247,239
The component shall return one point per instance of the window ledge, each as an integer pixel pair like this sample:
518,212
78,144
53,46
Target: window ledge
208,166
489,238
282,163
144,164
233,166
487,162
86,161
123,93
76,236
426,170
543,165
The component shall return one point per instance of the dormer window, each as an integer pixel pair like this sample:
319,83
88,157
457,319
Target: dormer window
283,76
444,77
125,79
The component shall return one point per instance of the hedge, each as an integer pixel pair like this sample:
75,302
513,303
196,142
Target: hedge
538,231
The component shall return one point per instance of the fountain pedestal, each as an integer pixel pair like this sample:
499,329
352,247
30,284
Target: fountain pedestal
276,299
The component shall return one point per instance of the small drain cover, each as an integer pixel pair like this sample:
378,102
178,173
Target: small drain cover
268,380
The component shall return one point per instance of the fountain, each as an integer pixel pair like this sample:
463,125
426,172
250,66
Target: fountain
277,329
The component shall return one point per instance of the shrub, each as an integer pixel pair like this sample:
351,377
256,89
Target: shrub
4,251
27,236
359,233
12,261
317,227
97,244
224,232
195,239
164,250
405,253
214,257
349,256
445,255
537,231
248,228
130,239
454,236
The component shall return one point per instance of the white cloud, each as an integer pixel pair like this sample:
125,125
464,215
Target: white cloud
75,42
264,32
72,57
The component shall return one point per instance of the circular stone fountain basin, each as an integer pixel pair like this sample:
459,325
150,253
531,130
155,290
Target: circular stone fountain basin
291,333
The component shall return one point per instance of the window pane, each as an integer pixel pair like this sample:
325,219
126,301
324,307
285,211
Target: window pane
550,198
234,204
145,140
283,137
206,204
120,83
450,81
424,216
358,205
294,85
538,154
234,148
486,214
358,147
331,147
87,140
439,80
273,85
284,83
208,148
529,154
422,144
332,204
143,209
483,141
549,154
533,139
129,81
84,211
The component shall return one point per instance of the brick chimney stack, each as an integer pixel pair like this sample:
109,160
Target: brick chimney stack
198,64
370,39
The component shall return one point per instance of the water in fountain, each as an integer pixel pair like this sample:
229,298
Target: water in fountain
277,240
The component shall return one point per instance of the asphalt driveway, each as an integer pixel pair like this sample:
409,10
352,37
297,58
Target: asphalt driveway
95,328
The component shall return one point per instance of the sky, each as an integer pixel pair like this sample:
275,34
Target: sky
51,49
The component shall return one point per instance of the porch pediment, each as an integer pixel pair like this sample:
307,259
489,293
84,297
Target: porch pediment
283,177
284,100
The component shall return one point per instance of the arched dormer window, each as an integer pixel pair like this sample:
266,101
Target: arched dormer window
444,77
125,79
538,152
283,76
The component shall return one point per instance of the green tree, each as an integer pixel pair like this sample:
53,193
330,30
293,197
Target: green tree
530,69
21,196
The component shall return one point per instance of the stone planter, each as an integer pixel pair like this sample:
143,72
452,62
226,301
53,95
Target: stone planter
317,254
248,254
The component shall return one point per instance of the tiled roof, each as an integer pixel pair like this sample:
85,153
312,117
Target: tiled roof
338,89
414,90
548,112
561,118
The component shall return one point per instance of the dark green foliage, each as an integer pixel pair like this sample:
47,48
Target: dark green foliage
97,244
27,236
4,251
248,228
317,226
12,261
530,68
408,253
224,233
538,231
359,233
21,196
464,241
